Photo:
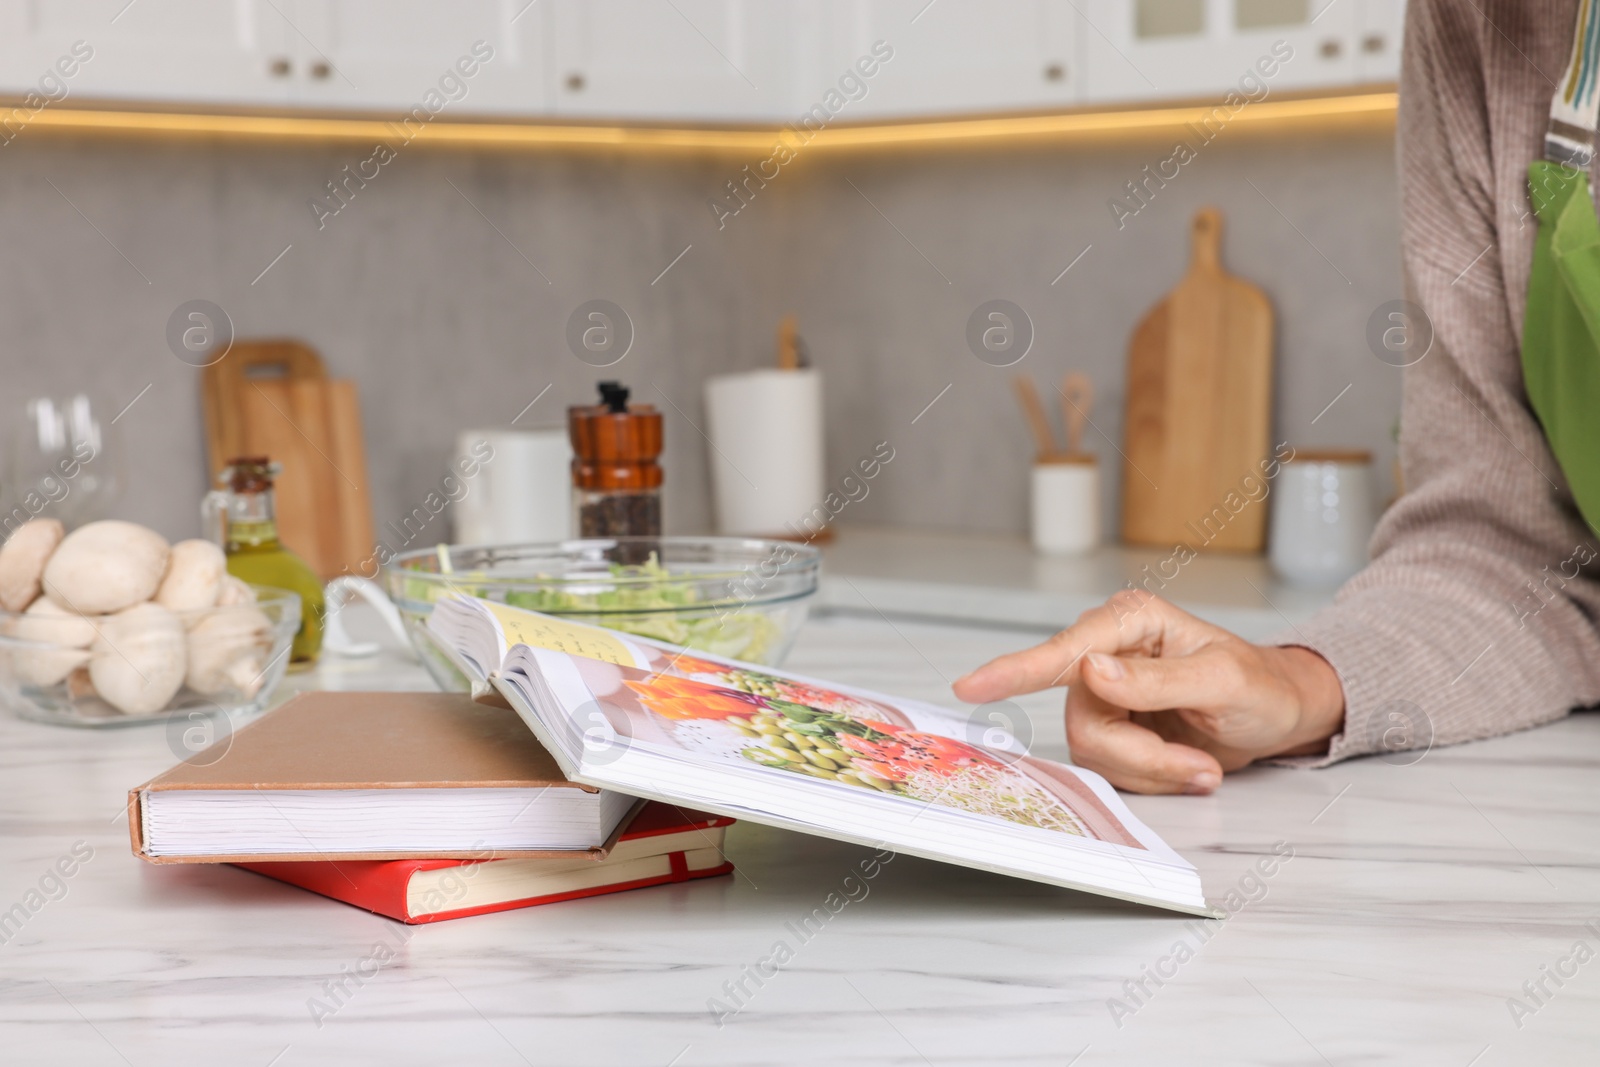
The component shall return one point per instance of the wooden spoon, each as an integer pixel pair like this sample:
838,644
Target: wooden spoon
788,343
1038,421
1077,397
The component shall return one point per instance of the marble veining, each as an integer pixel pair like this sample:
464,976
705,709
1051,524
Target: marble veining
1418,902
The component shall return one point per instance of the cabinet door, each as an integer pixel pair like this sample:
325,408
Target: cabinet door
1378,40
192,51
463,56
691,60
1205,49
955,56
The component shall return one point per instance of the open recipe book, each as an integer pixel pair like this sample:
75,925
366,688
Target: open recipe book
644,718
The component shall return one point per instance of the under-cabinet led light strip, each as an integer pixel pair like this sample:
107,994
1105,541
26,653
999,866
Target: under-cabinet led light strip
1371,108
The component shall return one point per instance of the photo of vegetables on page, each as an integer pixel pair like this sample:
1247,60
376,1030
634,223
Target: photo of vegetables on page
642,717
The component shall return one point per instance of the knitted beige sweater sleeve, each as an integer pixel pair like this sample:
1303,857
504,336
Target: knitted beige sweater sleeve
1477,615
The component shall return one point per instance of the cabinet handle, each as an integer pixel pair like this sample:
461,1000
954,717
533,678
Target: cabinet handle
321,69
1055,72
1331,48
1373,43
575,82
279,67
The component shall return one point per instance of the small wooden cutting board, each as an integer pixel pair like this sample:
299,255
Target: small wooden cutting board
1199,408
273,398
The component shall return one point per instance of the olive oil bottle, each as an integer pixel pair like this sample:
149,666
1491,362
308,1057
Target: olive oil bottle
242,515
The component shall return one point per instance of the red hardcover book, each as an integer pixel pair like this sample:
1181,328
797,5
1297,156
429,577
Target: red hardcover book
663,844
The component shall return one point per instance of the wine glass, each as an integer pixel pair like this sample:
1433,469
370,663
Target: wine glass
63,463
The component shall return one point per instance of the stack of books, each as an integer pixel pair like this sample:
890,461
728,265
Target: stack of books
417,806
540,778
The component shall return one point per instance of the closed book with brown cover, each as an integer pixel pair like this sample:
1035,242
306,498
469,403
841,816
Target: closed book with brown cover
358,776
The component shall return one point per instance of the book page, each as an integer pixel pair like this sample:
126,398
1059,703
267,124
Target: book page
534,630
852,745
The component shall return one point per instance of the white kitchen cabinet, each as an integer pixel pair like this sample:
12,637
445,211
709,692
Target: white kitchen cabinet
695,60
956,56
690,61
1178,49
201,51
1378,40
381,56
474,56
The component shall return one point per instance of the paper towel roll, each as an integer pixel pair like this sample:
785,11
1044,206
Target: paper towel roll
522,494
766,456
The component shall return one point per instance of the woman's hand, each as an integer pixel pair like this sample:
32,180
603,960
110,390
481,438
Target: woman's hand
1161,702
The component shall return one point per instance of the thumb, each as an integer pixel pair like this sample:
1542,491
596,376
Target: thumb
1144,683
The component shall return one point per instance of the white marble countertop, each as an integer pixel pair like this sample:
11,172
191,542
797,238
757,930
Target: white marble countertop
993,579
1419,899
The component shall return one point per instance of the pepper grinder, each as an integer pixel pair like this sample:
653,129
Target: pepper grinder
616,476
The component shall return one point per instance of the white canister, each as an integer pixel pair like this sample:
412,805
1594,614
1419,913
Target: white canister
1066,504
1323,512
523,493
765,430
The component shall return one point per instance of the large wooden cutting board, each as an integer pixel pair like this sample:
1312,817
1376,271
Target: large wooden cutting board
1199,408
274,399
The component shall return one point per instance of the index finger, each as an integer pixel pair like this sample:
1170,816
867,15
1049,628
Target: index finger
1131,621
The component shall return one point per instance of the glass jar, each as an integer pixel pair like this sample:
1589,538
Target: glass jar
616,473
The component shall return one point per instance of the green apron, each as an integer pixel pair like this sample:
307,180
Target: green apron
1561,327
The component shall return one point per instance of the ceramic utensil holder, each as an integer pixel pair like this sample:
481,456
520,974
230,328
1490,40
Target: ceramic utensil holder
1066,504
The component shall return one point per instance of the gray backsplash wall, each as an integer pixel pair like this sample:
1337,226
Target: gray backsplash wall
1313,222
443,289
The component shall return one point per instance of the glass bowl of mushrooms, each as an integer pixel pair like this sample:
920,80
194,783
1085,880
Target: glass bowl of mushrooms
110,626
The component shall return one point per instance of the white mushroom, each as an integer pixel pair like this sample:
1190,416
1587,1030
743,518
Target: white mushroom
228,651
234,591
44,668
22,560
78,684
106,566
46,623
194,576
138,661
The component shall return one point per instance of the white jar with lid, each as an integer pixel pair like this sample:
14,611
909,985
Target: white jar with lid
1323,513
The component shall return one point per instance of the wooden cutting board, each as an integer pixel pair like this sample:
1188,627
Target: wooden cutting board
1199,408
273,398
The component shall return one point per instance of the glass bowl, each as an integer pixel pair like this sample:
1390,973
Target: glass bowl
744,598
233,658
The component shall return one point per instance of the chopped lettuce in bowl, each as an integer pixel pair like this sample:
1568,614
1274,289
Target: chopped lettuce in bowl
743,598
666,609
